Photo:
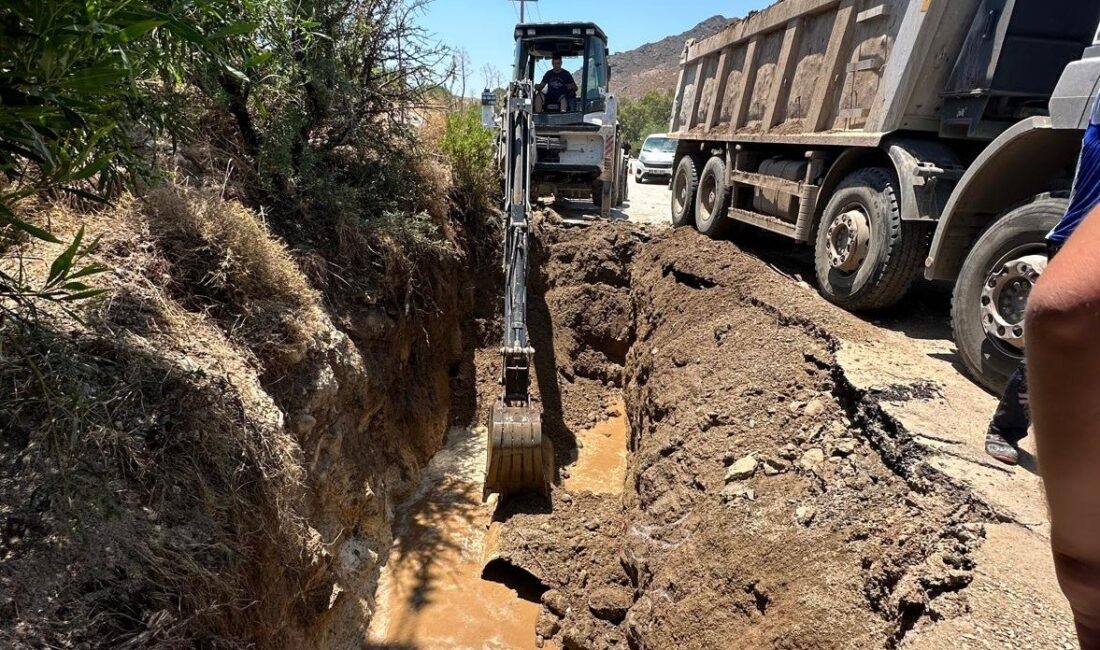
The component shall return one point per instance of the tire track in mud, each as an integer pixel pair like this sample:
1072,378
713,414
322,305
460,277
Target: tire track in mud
769,503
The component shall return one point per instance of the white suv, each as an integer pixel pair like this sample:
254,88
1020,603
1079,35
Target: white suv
655,158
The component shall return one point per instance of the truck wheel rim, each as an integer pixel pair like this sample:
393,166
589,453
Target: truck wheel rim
709,193
849,240
1005,294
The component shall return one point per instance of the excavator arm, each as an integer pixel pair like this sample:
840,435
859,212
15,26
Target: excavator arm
520,459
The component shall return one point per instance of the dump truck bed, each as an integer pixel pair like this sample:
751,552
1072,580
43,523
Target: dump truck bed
842,72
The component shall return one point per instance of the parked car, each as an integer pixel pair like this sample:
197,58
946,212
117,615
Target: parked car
655,158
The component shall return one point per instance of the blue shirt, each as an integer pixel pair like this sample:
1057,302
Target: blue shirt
1086,184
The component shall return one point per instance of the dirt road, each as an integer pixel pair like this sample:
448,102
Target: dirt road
742,465
647,204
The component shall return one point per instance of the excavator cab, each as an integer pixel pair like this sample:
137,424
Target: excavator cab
582,48
578,142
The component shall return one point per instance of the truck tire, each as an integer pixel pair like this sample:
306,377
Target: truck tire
712,201
992,289
597,194
866,257
685,182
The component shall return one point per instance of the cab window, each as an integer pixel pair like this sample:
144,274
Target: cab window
596,80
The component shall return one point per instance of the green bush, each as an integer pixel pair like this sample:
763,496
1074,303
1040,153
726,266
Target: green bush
305,105
650,114
469,148
88,89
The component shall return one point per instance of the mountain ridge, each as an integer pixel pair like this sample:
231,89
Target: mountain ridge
656,66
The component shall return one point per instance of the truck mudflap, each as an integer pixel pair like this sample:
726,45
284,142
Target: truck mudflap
927,172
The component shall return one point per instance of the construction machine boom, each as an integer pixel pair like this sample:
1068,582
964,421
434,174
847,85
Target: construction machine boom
520,459
569,145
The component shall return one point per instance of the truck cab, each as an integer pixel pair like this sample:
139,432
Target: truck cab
578,147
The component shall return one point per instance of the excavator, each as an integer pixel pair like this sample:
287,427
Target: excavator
572,149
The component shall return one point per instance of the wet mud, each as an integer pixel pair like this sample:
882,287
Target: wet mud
720,481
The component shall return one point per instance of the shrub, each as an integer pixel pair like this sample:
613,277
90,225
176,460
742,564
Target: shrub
468,146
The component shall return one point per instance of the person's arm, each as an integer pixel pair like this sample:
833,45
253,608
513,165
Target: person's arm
1063,354
572,85
542,84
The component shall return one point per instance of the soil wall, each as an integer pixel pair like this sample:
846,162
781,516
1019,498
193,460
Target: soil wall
211,454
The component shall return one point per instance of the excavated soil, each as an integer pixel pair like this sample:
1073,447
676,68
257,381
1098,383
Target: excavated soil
723,482
767,503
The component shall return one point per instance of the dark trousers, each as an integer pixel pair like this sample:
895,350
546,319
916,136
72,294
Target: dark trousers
1012,417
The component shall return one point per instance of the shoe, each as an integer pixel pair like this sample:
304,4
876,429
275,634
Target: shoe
1001,449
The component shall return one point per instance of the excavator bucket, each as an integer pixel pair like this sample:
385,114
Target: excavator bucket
520,459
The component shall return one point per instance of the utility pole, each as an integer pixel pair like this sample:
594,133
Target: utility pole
523,9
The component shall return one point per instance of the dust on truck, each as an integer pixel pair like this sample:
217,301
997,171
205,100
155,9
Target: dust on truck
895,136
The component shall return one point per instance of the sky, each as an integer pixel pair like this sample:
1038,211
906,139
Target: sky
484,28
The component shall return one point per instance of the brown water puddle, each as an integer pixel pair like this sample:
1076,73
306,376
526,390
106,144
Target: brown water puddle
601,463
431,594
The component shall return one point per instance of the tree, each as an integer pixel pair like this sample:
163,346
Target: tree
460,74
494,78
640,118
327,88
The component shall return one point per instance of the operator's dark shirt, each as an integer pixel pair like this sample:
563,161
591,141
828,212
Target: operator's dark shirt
557,84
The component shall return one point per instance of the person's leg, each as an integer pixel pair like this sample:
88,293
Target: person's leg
1011,419
1063,351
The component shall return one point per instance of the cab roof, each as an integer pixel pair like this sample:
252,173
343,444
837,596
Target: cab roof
558,29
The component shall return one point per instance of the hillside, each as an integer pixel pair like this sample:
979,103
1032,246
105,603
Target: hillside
654,66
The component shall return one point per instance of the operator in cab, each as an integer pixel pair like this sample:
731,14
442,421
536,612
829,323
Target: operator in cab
559,85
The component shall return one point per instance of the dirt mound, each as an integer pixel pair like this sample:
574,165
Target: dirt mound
766,501
765,507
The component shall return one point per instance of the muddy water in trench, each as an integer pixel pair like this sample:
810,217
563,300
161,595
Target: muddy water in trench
601,463
431,594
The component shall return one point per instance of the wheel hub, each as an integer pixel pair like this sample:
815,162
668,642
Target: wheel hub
708,204
849,241
1004,297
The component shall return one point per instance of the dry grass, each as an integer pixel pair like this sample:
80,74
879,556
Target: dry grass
224,261
151,495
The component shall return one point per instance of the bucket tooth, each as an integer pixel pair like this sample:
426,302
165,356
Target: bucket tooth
520,459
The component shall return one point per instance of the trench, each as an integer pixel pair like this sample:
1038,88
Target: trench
444,583
721,484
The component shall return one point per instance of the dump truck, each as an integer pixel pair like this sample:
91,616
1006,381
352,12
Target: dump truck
891,136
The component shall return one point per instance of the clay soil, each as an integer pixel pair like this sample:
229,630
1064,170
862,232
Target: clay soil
764,496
